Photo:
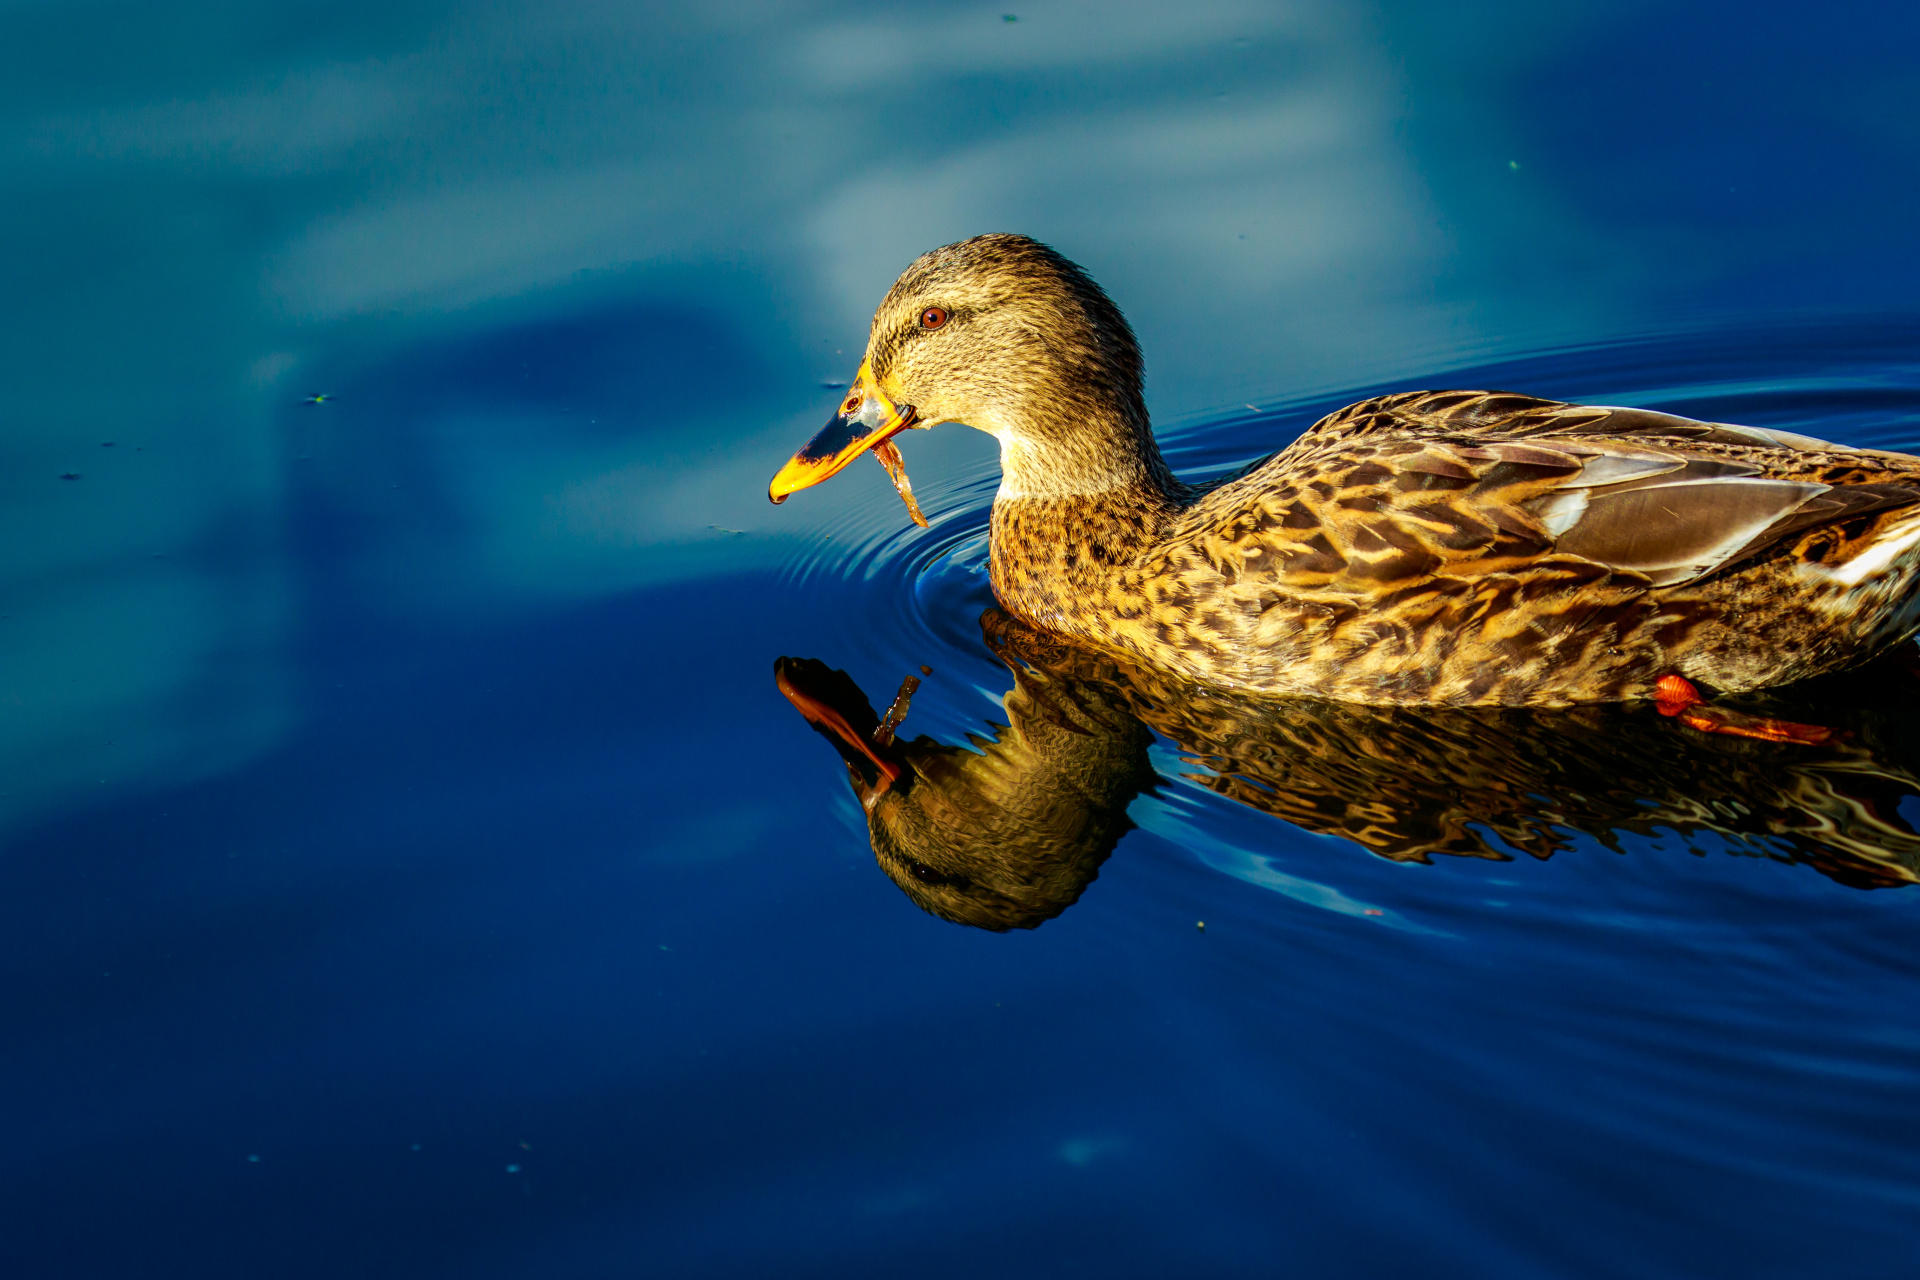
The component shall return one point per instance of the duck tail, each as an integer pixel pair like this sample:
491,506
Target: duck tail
1880,579
1890,552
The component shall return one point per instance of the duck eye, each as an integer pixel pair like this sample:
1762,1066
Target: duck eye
933,317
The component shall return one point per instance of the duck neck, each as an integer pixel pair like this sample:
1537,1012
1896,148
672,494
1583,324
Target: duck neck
1085,451
1076,508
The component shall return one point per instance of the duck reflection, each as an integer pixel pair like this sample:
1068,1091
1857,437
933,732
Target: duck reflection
1006,832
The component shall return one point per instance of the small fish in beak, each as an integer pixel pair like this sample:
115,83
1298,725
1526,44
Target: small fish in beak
867,421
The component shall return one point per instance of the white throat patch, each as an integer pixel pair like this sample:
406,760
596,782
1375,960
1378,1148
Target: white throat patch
1038,484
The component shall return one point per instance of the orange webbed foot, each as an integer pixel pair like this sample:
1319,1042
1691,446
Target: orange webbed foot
1676,696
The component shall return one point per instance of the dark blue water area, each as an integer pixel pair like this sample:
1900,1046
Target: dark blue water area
549,943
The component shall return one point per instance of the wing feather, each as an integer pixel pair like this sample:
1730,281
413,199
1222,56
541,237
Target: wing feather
1673,532
1462,484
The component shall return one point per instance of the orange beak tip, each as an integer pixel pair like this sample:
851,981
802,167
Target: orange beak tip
865,423
799,473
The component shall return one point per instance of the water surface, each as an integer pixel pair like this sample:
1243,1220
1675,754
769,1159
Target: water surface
412,869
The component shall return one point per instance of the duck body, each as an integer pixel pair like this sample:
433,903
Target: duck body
1446,548
1433,548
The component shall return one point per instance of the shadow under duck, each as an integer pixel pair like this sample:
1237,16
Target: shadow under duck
1449,547
1008,830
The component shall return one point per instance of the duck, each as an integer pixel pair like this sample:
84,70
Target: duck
1447,548
1008,829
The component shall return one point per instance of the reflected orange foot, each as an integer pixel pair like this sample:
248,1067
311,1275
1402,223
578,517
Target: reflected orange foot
1676,696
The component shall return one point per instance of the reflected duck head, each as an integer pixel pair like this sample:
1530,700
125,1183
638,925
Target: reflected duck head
1005,836
1003,334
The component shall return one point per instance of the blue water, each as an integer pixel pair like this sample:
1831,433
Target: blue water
410,868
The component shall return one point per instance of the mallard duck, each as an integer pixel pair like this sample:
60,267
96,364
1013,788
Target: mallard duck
1008,831
1444,547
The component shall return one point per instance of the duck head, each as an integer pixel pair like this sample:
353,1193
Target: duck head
1003,334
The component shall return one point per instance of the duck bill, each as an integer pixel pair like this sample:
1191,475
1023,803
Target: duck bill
866,421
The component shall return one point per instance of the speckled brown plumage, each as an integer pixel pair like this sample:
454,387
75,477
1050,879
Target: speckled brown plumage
1456,548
